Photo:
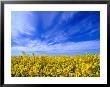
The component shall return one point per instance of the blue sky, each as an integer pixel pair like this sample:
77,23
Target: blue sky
55,32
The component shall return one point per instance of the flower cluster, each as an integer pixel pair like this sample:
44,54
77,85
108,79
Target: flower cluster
87,65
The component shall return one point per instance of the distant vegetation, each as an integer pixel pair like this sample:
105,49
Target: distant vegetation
87,65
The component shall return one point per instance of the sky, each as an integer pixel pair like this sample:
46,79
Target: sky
55,32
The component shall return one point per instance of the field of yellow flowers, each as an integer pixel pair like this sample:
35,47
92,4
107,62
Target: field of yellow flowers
87,65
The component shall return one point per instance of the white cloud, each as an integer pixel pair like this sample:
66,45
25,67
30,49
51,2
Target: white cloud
23,26
21,23
49,17
33,46
66,16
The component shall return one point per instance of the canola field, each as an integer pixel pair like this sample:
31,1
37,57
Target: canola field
87,65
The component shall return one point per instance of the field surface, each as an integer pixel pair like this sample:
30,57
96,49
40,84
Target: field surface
87,65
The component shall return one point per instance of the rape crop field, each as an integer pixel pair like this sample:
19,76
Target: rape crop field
87,65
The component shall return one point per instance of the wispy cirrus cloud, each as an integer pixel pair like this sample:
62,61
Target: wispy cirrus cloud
55,31
36,46
21,24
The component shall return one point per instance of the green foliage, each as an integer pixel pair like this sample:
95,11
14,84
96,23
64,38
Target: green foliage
25,54
43,55
33,54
